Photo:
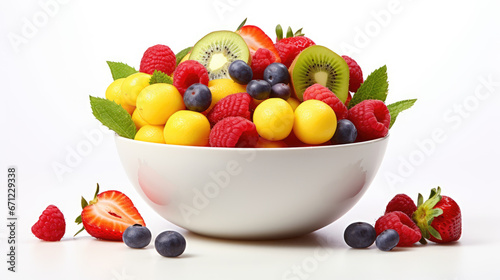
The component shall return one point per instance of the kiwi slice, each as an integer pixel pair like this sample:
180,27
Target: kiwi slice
319,65
217,50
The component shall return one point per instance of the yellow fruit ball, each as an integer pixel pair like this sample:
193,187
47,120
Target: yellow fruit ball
315,122
139,122
264,143
186,57
157,102
273,119
293,102
150,133
221,88
187,128
132,86
114,93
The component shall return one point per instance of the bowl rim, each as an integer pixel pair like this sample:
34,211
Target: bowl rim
204,148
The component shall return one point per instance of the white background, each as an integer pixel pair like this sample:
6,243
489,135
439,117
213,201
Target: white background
444,53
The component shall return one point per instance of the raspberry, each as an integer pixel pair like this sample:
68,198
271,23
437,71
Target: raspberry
260,60
158,57
234,132
322,93
289,48
371,118
403,203
189,72
408,231
355,74
234,105
51,225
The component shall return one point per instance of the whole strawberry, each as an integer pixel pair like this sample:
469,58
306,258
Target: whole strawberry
51,225
439,218
108,215
288,48
401,202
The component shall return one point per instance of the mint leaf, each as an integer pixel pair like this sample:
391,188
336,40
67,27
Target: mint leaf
180,55
160,77
113,116
398,107
120,70
374,87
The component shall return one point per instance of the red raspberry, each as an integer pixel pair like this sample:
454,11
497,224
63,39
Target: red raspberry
408,231
158,57
322,93
51,225
234,132
355,74
403,203
260,60
189,72
234,105
289,48
371,118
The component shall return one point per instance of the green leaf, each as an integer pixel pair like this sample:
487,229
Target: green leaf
279,32
289,32
79,231
113,116
180,55
84,203
160,77
434,233
78,220
96,191
242,24
298,33
120,70
398,107
374,87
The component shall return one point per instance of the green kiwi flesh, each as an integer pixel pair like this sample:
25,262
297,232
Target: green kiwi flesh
217,50
319,65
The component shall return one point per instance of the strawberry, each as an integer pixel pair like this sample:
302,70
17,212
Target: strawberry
288,48
439,218
256,39
108,215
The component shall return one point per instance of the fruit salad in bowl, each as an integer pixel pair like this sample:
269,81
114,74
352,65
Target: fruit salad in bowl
242,137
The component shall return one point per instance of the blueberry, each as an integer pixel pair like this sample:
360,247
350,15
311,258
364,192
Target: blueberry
276,73
346,132
360,235
240,72
170,243
259,89
197,97
137,236
280,90
387,240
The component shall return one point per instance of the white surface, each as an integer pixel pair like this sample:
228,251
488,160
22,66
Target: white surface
439,52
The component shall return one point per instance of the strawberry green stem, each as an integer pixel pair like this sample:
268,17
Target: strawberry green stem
425,214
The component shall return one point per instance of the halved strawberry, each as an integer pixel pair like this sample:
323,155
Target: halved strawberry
108,215
256,39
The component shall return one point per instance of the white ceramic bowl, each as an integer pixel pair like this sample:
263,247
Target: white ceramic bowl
238,193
